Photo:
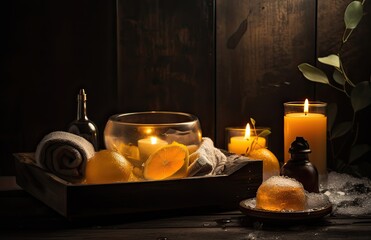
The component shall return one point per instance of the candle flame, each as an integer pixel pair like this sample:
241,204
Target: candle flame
247,131
148,130
153,140
306,106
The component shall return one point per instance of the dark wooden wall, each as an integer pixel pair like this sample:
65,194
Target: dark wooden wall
166,58
224,61
50,49
259,45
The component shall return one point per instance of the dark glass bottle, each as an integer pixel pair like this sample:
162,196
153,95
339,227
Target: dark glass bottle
299,166
83,126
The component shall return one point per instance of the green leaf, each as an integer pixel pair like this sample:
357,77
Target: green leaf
332,60
264,133
339,77
332,109
341,129
358,151
361,96
313,74
353,14
252,121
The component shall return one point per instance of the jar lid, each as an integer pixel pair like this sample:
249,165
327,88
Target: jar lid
300,145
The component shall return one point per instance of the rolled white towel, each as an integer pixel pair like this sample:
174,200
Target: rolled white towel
64,154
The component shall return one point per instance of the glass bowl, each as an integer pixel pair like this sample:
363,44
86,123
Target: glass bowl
137,135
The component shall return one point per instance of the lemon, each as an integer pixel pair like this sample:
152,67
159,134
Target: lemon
271,166
131,153
107,166
136,175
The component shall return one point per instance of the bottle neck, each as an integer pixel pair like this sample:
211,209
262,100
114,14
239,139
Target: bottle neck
81,110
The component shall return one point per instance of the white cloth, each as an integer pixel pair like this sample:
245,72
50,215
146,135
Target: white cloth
64,154
208,160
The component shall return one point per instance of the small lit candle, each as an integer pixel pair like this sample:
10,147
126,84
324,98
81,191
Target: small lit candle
149,145
311,126
239,144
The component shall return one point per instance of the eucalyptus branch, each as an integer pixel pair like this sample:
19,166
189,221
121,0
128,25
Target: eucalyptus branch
249,148
339,89
253,126
256,137
253,143
344,73
345,39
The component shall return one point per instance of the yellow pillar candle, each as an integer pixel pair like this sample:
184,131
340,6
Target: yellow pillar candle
149,145
239,144
311,126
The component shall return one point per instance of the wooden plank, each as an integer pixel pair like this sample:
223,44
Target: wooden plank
258,47
165,57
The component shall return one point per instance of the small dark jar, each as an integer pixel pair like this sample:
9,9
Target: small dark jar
299,166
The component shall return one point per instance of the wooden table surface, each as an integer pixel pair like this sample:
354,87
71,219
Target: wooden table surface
24,217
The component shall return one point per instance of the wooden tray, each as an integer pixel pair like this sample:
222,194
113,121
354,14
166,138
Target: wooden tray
76,201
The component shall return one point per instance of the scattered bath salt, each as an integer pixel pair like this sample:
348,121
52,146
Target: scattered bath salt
349,195
316,200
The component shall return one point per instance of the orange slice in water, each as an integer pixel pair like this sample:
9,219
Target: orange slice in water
168,162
